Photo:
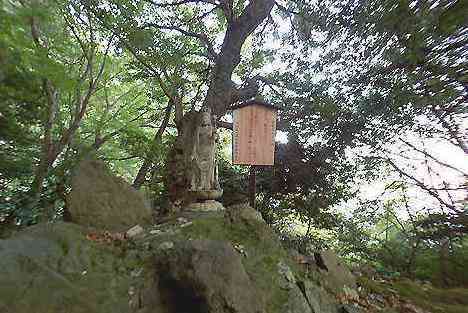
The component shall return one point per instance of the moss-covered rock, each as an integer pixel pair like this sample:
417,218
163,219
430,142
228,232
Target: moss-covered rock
54,268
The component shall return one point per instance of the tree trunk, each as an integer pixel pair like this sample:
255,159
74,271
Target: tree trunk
142,172
412,258
186,166
443,261
178,170
47,149
38,182
252,186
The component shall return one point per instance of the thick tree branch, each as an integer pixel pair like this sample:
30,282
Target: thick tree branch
201,37
220,89
452,129
99,141
247,92
173,97
47,146
180,2
421,185
147,163
433,158
226,7
286,10
82,104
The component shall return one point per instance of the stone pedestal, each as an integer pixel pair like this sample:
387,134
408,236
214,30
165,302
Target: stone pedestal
205,194
205,206
204,200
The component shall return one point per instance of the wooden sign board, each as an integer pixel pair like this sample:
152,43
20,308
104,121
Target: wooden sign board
253,136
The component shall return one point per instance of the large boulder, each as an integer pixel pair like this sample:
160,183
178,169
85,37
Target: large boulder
103,200
203,276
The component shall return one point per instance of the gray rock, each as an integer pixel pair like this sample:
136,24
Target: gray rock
287,279
348,308
166,245
336,274
243,213
297,303
134,231
204,276
319,300
304,296
102,200
388,310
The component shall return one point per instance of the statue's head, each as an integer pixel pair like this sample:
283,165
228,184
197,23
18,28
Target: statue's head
205,118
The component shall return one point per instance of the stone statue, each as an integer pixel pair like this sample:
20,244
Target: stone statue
204,184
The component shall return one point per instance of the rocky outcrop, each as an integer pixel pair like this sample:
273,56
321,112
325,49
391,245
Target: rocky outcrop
103,200
210,262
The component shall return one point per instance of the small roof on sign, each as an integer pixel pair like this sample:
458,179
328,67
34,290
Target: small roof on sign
255,102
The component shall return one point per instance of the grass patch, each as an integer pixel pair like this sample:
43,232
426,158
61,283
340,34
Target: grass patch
454,300
435,300
373,286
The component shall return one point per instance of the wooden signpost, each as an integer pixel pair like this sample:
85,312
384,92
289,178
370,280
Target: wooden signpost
253,137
